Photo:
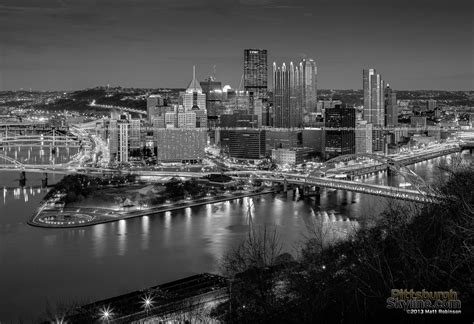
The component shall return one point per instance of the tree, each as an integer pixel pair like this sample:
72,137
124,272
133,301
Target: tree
175,187
192,187
427,247
252,268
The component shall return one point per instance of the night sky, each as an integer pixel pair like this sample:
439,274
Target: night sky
66,44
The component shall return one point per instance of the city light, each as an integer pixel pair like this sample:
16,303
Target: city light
105,313
147,302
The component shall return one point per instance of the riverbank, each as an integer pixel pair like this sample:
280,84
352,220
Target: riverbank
68,217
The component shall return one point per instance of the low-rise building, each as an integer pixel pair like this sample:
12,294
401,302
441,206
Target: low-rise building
181,144
292,156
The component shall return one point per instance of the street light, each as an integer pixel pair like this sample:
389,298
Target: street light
147,302
105,313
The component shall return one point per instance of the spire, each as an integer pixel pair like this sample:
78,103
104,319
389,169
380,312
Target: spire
194,85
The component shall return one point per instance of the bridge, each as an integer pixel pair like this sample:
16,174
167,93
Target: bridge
127,109
377,163
42,140
282,178
365,188
317,178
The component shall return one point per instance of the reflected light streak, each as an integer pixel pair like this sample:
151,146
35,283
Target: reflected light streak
167,231
99,240
122,237
145,232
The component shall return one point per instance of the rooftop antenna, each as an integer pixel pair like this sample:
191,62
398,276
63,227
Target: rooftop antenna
214,72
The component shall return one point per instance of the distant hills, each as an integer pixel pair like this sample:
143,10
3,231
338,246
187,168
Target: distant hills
136,97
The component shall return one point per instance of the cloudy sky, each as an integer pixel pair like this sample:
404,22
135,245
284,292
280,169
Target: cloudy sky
75,44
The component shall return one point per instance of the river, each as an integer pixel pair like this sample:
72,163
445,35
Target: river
41,266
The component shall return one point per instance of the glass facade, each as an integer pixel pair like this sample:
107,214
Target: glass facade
256,72
287,105
308,81
340,131
374,105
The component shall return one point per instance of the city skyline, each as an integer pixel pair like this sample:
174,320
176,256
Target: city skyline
86,44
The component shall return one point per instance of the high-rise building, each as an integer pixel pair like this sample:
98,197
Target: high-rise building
340,134
314,138
122,134
363,137
134,134
155,106
213,91
391,107
193,97
287,107
122,154
374,105
258,111
256,72
248,144
373,97
308,82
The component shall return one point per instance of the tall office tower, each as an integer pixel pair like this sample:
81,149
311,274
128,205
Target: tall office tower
213,91
363,137
193,97
255,72
134,134
286,106
245,143
112,138
339,141
258,110
155,106
308,83
296,111
373,97
374,105
391,107
122,154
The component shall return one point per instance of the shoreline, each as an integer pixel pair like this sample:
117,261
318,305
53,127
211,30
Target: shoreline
34,221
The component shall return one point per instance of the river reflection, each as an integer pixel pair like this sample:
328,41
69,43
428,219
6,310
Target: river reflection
100,261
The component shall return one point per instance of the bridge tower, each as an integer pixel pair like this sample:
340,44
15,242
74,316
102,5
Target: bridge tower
22,180
52,147
44,181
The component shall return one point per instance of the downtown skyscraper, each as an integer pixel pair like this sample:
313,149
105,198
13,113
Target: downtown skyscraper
287,107
295,94
256,72
391,107
374,105
308,83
